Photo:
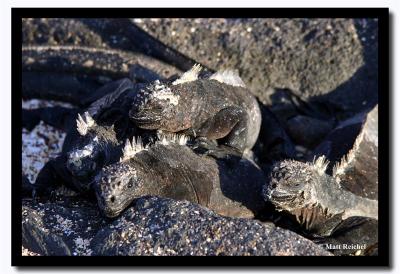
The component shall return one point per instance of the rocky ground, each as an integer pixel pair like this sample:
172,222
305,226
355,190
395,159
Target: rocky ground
313,74
313,59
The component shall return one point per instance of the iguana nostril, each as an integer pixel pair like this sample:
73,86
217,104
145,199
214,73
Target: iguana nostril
112,199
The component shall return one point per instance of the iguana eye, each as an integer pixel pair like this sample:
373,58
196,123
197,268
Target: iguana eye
130,185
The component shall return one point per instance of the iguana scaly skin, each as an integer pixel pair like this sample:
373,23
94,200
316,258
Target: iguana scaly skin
314,198
171,169
93,140
87,148
217,107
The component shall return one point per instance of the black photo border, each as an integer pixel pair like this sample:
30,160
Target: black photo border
383,258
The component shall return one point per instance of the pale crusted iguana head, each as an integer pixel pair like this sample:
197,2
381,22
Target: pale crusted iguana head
293,187
154,105
289,185
90,151
169,106
292,183
159,104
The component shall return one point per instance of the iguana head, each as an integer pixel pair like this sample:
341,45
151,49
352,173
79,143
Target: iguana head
155,105
160,104
167,106
292,183
314,198
116,186
91,151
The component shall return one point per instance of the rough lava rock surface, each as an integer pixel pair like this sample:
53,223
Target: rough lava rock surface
55,31
152,226
322,70
160,226
60,228
333,61
310,57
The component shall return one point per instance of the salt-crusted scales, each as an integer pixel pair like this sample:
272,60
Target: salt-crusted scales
250,31
232,112
313,197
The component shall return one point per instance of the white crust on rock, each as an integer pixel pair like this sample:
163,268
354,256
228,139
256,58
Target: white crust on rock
229,77
189,76
83,124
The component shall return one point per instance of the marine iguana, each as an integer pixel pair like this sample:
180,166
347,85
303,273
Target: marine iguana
86,149
171,169
90,144
215,107
314,198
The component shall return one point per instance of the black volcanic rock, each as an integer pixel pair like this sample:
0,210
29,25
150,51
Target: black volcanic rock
309,57
59,228
159,226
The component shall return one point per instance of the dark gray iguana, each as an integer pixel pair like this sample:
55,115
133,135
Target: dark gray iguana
83,154
217,107
96,139
171,169
315,199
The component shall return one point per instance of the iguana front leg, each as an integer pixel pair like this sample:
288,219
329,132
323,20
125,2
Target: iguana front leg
230,124
202,145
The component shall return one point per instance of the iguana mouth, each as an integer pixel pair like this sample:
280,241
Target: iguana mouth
145,118
107,210
283,197
147,121
111,212
116,212
146,114
112,209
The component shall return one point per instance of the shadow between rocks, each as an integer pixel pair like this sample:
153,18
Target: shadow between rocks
124,34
